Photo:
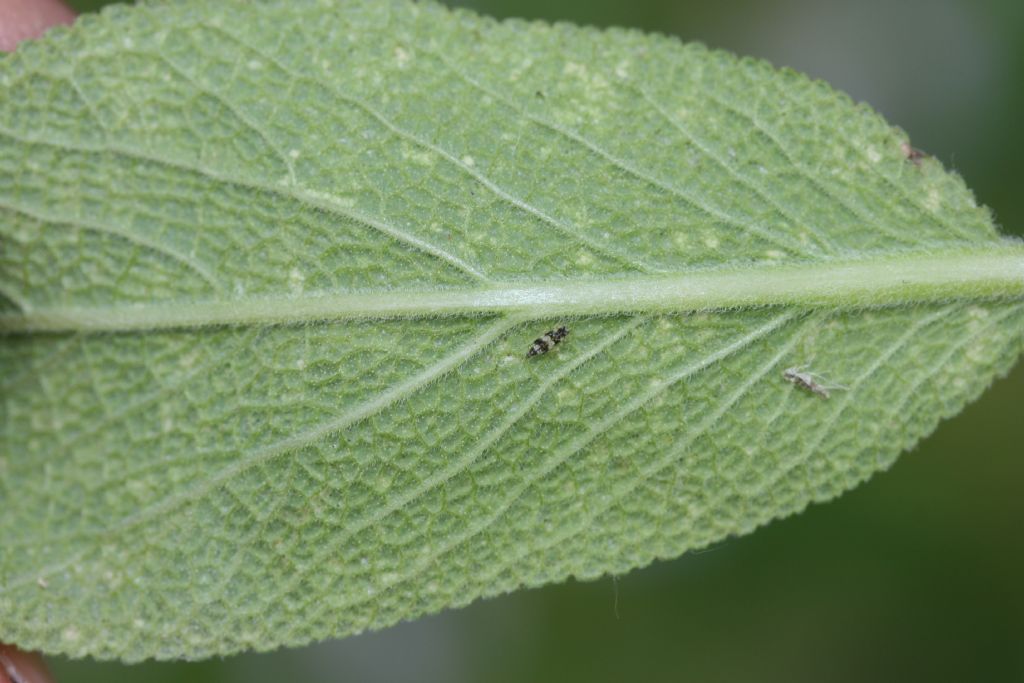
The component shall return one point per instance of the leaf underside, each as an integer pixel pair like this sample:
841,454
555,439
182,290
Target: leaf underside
172,487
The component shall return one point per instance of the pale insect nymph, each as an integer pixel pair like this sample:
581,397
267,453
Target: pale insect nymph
808,381
543,343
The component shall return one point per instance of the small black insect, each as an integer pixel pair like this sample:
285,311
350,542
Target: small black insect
544,343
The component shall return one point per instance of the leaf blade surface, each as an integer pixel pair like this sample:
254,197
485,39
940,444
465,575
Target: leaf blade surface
242,411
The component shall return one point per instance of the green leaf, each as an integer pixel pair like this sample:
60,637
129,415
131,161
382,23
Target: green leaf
270,272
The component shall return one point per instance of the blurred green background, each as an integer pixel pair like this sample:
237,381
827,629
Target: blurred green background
917,575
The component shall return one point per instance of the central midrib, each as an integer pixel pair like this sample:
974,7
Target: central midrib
995,272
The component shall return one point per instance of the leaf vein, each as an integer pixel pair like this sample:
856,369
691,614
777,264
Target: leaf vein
308,436
675,453
626,167
914,200
320,200
112,229
227,104
571,231
481,525
830,193
512,416
744,179
843,402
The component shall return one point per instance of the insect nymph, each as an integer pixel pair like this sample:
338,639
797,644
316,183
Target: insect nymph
544,343
807,381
